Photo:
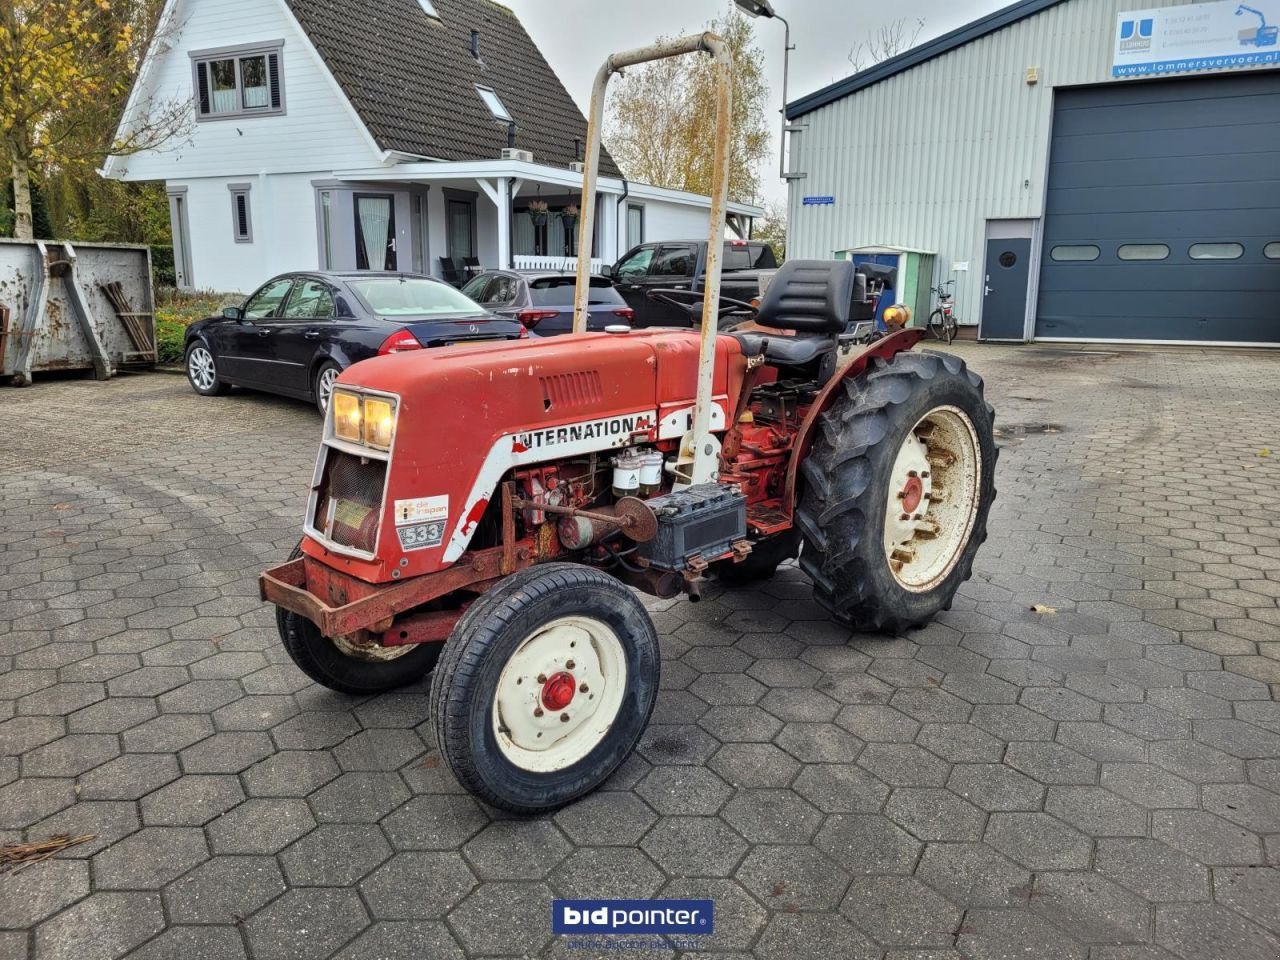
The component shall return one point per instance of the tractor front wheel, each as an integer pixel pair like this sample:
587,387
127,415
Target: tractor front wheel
545,687
349,668
897,488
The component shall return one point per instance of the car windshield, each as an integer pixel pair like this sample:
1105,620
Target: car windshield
414,297
558,291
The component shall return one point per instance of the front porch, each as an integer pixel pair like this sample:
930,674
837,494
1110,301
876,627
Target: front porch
451,218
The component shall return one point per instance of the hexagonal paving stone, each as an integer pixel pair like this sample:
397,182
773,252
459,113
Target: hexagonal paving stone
350,798
1097,812
1206,838
935,814
1203,931
904,765
690,790
738,917
335,855
867,844
509,919
613,873
754,765
105,820
812,937
771,816
305,923
191,801
606,818
434,823
840,788
1152,870
102,927
990,933
149,859
516,850
224,890
413,940
694,846
1251,891
1091,908
792,878
24,802
129,777
1038,841
260,826
900,911
30,895
384,750
417,885
974,874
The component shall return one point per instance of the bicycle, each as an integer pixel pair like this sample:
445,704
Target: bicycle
942,322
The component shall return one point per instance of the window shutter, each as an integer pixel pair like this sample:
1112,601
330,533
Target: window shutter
202,76
273,78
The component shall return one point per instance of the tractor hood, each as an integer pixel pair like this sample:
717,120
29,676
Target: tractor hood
469,414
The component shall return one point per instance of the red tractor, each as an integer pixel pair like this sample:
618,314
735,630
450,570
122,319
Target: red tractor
486,512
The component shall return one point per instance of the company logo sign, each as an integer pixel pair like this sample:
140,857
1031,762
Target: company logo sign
630,917
1136,34
1218,35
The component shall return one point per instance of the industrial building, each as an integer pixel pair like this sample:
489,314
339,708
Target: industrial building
1101,170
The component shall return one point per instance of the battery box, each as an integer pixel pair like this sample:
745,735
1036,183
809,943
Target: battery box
700,521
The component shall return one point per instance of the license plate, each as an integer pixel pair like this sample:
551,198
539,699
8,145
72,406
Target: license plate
420,536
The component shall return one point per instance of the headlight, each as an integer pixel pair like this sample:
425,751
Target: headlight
379,422
365,420
346,416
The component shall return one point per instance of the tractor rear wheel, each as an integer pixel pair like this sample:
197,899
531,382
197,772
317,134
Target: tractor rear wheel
347,668
897,488
545,687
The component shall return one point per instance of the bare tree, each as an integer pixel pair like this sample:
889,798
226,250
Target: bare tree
890,40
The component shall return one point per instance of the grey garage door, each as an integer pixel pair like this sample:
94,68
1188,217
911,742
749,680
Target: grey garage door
1162,219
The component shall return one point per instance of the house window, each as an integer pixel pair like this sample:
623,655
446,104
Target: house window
1216,251
635,225
1143,251
375,232
239,81
494,103
1081,253
241,213
429,8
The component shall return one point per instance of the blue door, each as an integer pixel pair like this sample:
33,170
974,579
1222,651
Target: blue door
1004,300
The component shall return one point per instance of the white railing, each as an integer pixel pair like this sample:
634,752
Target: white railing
566,264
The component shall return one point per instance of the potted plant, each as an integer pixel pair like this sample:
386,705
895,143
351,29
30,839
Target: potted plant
538,212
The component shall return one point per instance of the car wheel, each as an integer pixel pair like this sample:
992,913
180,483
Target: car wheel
326,377
202,371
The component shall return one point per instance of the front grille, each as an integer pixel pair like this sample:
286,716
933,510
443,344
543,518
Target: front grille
349,501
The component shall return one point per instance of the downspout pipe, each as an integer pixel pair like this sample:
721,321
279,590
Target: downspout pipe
621,218
511,223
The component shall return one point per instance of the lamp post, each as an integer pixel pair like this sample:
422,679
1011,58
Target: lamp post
764,8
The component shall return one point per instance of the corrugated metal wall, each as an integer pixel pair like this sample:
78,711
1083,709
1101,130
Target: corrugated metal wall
924,158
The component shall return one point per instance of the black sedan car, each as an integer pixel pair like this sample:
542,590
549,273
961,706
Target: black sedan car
543,300
300,330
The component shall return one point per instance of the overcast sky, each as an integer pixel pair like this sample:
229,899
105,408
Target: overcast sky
576,36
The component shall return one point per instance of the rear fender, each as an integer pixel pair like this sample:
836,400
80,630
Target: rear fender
884,348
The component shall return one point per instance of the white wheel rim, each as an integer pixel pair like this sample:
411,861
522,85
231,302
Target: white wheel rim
325,387
534,730
200,368
934,492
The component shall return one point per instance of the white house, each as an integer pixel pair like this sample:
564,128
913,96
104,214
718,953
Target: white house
376,134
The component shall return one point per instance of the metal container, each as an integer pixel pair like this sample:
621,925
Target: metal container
75,307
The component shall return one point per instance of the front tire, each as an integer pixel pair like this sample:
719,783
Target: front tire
545,687
345,668
202,371
897,489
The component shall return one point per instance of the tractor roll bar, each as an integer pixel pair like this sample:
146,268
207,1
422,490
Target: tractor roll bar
700,451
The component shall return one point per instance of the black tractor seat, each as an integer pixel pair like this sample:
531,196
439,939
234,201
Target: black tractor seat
814,298
797,351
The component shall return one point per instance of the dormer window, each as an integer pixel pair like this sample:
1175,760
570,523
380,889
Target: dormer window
244,81
495,104
429,8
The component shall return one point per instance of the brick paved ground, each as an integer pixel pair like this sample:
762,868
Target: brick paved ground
1100,782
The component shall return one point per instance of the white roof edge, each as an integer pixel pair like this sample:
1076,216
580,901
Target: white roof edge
470,169
109,165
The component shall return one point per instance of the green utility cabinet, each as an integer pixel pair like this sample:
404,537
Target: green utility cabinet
915,276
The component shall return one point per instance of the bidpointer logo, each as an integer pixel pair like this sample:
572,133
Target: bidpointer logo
676,917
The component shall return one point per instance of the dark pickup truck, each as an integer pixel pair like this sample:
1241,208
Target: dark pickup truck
681,265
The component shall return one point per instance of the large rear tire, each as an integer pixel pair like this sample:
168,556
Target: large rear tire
345,668
545,687
896,491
